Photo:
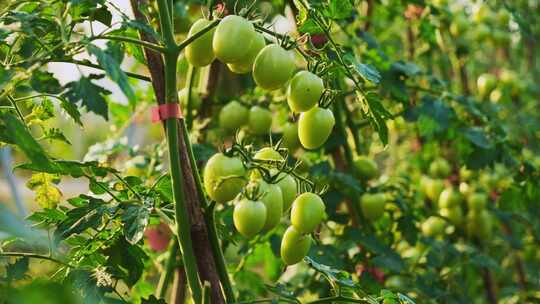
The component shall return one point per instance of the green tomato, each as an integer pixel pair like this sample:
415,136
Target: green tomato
273,67
233,38
433,189
454,214
196,100
433,226
481,32
315,126
440,168
224,177
372,205
304,91
502,17
477,201
287,183
290,138
273,200
260,120
199,53
459,25
307,212
267,153
501,38
246,65
294,246
486,83
249,217
395,282
449,198
366,167
480,224
482,13
232,116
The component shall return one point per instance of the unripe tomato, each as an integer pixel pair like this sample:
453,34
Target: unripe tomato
464,173
196,100
273,200
481,32
267,153
449,198
433,189
366,167
433,226
290,136
233,115
307,212
315,126
481,13
477,201
224,177
246,65
233,38
249,217
304,91
503,17
395,282
486,83
372,205
440,168
294,246
260,120
480,224
287,183
200,53
454,214
459,25
273,67
501,38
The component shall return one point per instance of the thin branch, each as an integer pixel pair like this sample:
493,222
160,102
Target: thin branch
35,256
142,43
95,66
190,39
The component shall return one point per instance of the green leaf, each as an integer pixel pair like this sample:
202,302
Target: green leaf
135,219
368,72
71,110
339,9
478,137
19,134
89,94
113,70
17,270
140,26
102,15
125,261
82,218
341,277
44,82
55,134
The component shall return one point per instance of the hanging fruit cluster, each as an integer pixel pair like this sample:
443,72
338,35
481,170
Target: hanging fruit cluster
236,43
262,194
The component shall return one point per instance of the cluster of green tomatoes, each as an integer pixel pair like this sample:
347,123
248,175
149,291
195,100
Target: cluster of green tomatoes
236,43
261,197
260,204
478,221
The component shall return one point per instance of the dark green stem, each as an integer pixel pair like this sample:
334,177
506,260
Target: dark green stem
218,253
189,103
166,276
172,128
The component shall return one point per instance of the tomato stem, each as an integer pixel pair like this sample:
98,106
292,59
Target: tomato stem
182,220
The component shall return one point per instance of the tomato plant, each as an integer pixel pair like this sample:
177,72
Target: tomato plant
305,151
